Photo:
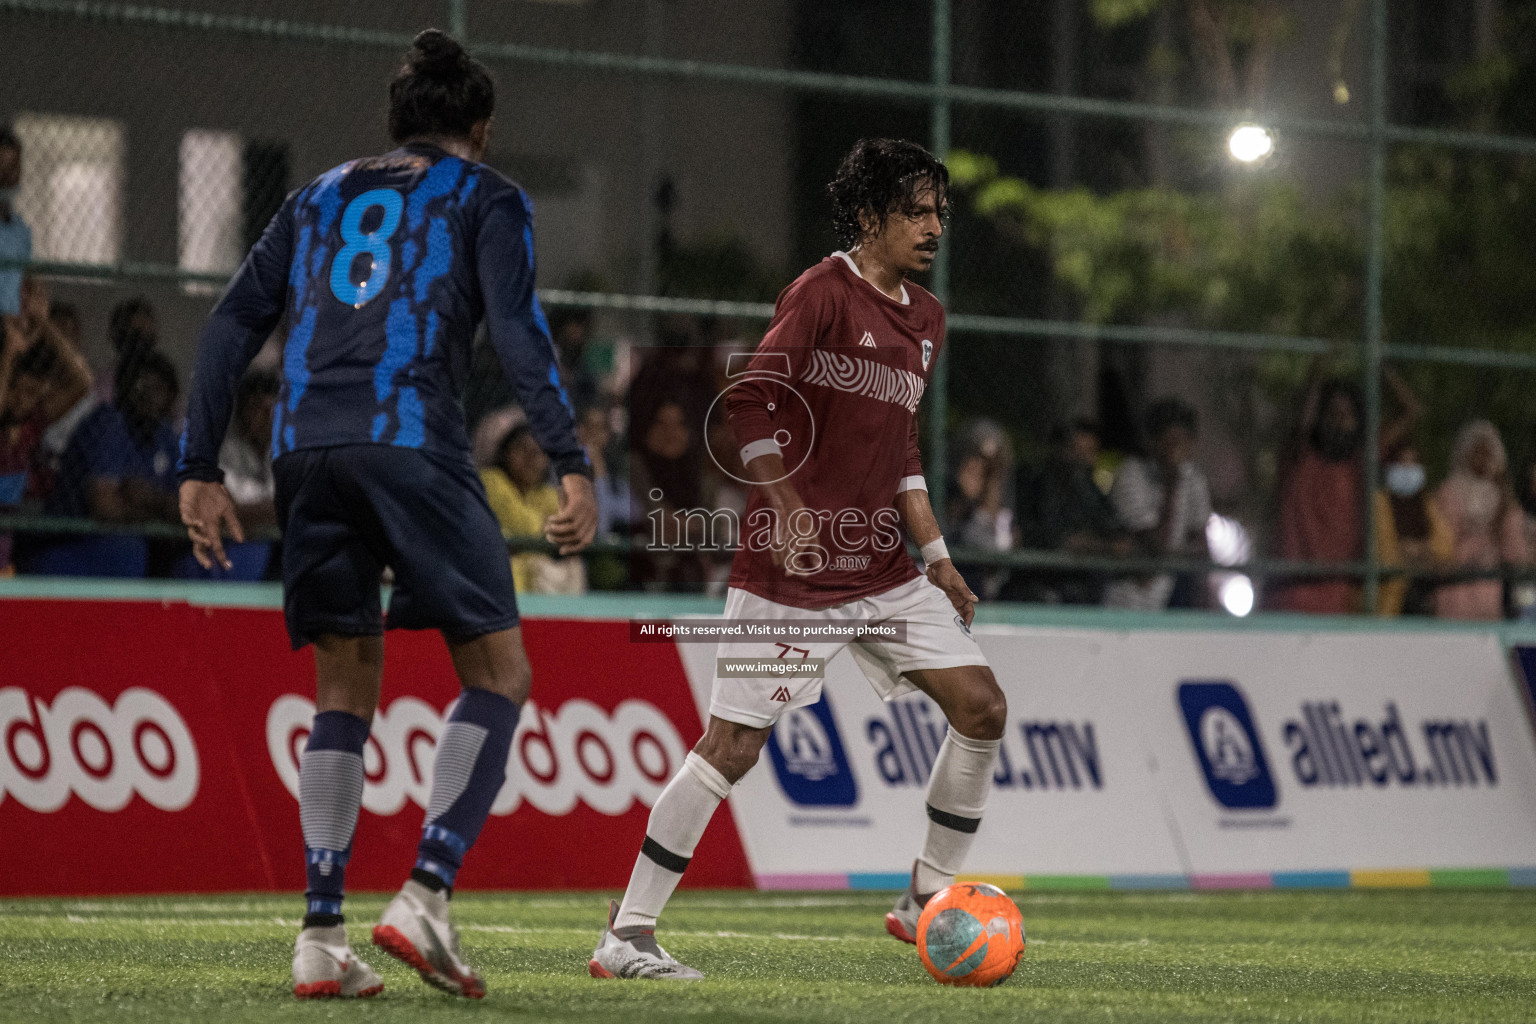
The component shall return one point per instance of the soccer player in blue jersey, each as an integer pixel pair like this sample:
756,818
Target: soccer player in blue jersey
383,267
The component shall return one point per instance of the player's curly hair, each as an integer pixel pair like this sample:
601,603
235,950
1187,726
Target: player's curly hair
439,90
880,177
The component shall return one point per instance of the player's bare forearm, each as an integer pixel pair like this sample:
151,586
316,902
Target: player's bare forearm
923,527
917,514
793,532
574,526
768,474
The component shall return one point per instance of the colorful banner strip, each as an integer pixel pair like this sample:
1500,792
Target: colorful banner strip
1374,878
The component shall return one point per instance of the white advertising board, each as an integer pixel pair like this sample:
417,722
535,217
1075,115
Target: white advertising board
1155,757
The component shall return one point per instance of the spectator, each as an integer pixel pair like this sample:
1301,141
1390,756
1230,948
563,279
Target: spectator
15,236
1485,519
978,511
1413,534
41,376
594,428
66,318
134,332
665,482
1069,512
119,467
19,427
71,376
572,330
595,435
1322,489
723,491
246,459
1523,593
1163,502
147,408
520,494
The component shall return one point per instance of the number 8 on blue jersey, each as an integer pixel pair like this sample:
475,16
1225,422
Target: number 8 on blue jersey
375,243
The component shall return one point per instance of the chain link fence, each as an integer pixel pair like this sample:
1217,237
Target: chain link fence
1166,379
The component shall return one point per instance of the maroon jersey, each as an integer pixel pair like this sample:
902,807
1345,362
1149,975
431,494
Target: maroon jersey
834,387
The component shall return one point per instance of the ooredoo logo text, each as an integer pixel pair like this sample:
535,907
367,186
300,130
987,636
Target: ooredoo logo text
104,753
577,752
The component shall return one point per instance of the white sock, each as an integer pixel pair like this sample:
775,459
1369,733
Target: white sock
957,794
677,821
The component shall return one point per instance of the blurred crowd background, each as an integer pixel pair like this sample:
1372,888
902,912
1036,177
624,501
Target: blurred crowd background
1173,364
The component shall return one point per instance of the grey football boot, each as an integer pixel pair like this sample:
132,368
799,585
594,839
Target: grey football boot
415,929
901,922
635,954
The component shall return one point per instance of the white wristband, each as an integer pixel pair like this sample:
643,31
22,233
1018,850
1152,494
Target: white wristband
934,551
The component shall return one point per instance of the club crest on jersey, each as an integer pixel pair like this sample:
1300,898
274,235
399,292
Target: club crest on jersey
927,352
868,341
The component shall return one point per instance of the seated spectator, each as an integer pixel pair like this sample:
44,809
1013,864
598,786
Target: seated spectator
119,467
596,437
571,330
1068,512
42,375
20,430
723,490
1322,488
1413,534
1163,501
15,235
978,512
133,330
1485,519
665,484
66,318
246,459
606,571
70,376
522,498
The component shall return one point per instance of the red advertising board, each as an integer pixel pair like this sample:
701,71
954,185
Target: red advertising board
152,747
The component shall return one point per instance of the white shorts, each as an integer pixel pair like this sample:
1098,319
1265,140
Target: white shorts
936,637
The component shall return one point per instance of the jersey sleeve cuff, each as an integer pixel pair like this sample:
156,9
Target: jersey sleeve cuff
577,464
767,446
201,471
912,483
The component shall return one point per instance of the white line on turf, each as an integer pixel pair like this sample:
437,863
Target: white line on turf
499,929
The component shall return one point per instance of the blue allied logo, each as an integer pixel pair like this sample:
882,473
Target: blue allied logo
808,758
1222,732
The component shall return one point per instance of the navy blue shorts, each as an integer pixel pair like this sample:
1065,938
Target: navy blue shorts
347,512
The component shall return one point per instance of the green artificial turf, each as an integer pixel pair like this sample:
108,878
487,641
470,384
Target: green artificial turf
1399,956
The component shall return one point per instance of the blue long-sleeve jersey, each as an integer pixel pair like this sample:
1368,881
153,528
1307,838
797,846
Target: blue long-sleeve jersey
384,266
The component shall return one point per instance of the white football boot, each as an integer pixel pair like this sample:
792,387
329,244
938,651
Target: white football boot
324,967
637,956
415,930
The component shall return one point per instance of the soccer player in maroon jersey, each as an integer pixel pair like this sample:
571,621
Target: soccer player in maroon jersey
825,417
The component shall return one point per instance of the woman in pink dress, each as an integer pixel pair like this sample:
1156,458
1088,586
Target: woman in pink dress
1477,501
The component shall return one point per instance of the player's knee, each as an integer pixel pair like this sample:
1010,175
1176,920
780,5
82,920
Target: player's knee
516,680
511,677
982,713
731,751
739,760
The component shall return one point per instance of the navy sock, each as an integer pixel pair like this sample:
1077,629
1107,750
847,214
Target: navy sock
469,770
330,795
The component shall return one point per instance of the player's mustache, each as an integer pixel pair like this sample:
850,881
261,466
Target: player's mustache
929,246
